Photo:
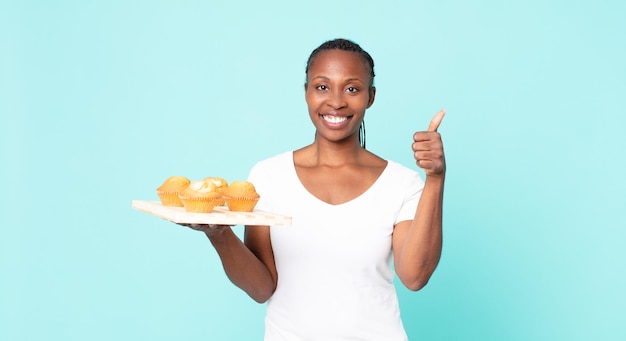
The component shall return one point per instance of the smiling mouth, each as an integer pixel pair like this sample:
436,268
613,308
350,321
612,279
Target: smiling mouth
334,119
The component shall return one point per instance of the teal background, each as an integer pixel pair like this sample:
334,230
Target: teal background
101,101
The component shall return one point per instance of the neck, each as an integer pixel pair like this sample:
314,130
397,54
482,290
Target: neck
324,152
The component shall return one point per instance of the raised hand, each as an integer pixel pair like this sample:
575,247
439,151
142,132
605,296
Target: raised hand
428,148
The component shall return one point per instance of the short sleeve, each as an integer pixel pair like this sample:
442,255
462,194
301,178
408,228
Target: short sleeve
259,179
266,177
412,194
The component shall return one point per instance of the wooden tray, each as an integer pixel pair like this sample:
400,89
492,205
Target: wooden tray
220,215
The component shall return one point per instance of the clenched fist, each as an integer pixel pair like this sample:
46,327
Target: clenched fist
428,148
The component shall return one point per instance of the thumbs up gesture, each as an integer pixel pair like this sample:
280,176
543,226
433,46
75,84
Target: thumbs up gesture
428,148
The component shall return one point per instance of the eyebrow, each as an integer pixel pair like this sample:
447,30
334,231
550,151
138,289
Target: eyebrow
354,79
347,80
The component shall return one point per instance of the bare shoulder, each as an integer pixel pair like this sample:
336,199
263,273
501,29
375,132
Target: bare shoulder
372,160
302,156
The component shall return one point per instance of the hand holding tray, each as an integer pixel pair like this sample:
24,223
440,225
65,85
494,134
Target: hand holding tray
221,215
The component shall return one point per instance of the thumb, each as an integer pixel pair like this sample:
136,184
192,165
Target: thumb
436,121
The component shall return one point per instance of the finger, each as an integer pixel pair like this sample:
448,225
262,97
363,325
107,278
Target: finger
430,166
427,155
425,136
436,121
197,227
424,163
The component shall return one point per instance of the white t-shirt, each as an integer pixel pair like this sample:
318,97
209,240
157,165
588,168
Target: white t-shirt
335,280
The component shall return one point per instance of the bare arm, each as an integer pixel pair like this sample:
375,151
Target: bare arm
250,265
417,243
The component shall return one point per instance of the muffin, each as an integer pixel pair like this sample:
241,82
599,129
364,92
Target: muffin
200,196
169,190
241,196
221,185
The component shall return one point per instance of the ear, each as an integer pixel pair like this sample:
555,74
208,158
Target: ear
372,92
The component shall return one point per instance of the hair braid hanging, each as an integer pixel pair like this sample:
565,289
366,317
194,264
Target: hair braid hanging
362,134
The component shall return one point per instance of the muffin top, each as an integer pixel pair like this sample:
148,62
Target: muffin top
174,184
220,183
241,189
201,189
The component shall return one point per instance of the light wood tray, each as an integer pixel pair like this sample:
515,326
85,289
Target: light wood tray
220,215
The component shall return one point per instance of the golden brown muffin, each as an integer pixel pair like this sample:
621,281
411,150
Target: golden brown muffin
241,196
200,196
221,185
169,190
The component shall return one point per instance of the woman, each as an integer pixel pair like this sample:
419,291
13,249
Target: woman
328,276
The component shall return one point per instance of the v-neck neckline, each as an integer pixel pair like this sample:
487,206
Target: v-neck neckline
352,200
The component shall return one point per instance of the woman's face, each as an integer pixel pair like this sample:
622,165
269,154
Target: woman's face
338,93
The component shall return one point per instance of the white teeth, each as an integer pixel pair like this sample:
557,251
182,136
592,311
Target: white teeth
334,119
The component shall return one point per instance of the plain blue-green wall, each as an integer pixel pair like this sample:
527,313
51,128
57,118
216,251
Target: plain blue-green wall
100,101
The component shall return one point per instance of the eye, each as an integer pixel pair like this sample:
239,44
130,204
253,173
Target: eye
322,87
352,89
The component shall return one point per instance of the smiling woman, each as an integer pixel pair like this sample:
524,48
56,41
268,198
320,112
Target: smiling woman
351,211
102,100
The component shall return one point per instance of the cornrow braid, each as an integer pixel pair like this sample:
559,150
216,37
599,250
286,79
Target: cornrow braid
343,45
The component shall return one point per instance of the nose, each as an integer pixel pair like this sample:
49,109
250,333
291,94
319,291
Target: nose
337,100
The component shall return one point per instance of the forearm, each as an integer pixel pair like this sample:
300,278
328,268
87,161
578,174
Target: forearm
242,266
420,250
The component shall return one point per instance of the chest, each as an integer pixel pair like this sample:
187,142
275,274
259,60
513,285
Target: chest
355,234
337,185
